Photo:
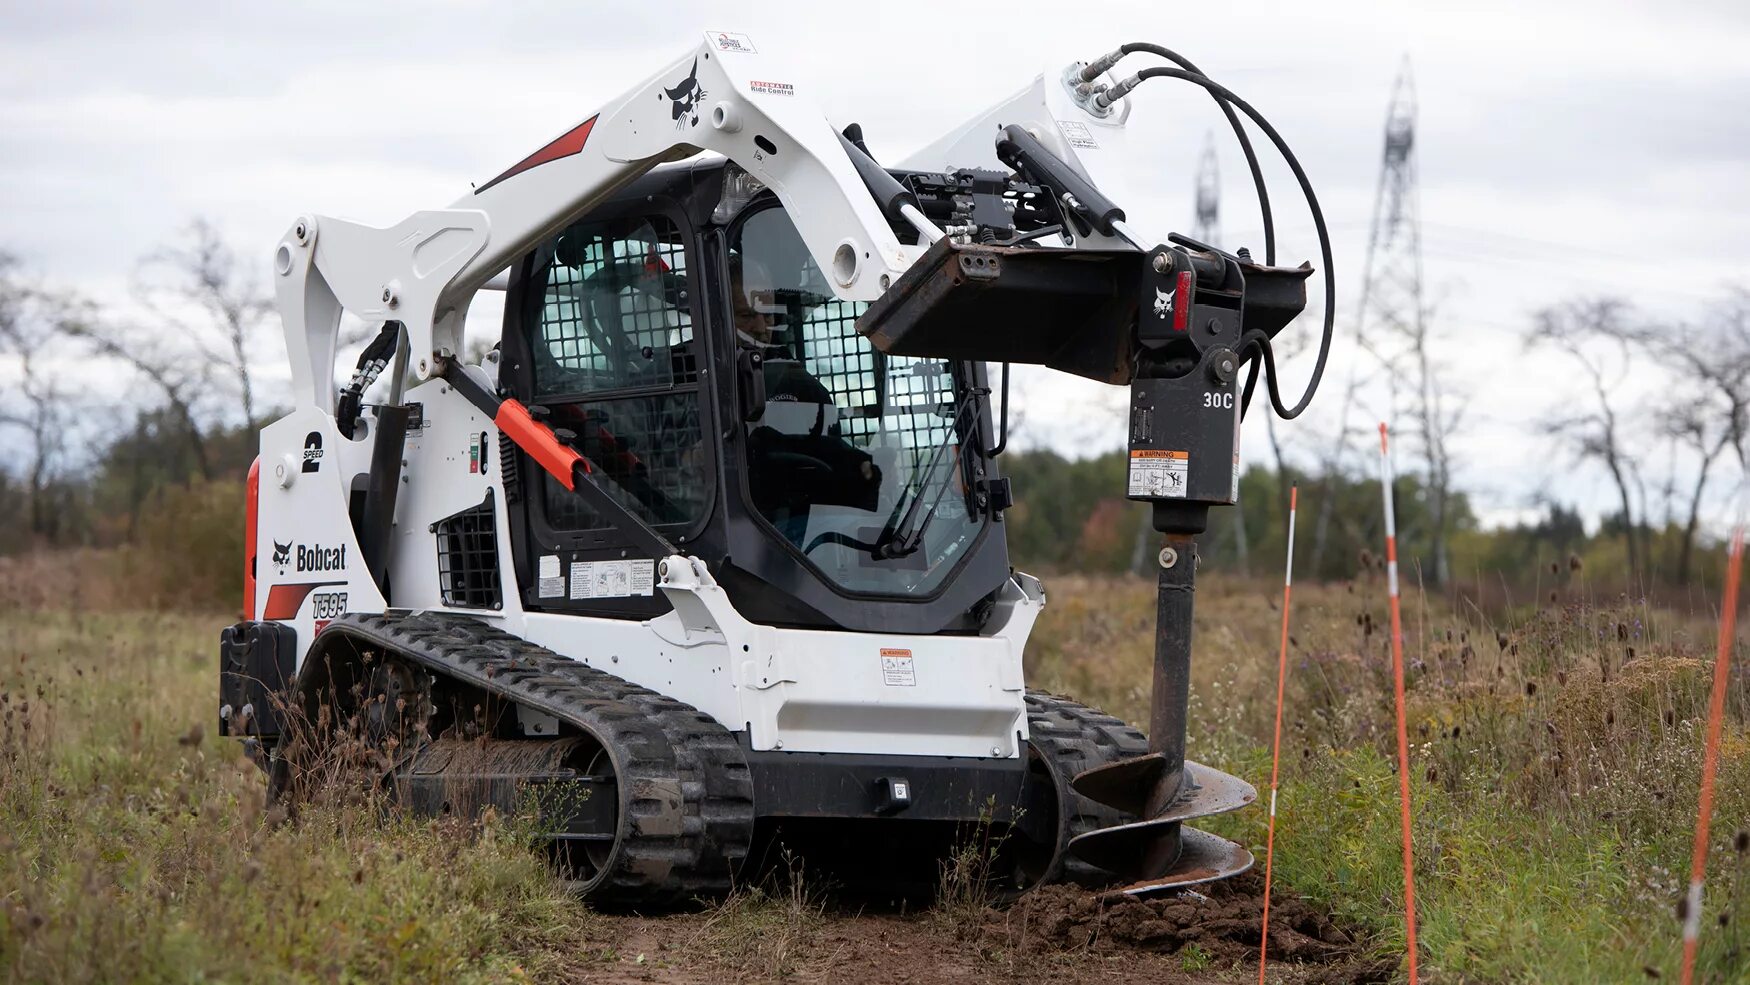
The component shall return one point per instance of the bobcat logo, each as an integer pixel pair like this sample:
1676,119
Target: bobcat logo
684,99
1163,304
282,555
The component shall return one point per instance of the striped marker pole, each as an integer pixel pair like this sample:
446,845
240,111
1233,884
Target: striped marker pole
1276,743
1397,666
1710,762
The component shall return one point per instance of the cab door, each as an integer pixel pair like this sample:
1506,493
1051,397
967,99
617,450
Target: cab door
602,346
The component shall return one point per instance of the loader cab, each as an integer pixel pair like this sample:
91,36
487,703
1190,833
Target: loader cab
702,362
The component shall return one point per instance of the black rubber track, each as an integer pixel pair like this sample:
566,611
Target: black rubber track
686,798
1071,737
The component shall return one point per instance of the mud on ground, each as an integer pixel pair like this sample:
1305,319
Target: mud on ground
1058,935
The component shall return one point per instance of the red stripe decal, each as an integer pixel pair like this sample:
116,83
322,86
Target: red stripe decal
567,144
284,601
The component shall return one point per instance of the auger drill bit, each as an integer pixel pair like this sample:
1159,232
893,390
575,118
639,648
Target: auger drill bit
1158,852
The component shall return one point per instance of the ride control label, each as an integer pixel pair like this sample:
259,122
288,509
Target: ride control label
897,669
1159,474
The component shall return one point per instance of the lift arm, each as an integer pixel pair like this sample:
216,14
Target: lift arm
724,96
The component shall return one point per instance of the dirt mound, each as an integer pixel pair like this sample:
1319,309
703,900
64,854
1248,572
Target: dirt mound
1221,920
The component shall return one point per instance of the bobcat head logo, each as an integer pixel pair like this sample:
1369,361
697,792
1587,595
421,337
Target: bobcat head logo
1163,304
684,99
282,555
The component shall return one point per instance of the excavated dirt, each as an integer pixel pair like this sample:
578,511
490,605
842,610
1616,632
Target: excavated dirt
1221,919
1058,935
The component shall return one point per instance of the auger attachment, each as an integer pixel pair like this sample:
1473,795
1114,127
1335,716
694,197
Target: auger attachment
1172,323
1162,787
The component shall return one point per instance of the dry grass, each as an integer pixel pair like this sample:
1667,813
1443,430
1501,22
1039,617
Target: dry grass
1556,754
1556,761
762,932
134,846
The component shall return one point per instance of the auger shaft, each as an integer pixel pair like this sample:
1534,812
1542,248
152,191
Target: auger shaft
1171,697
1175,593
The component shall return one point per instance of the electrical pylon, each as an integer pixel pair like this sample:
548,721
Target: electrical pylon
1392,322
1208,227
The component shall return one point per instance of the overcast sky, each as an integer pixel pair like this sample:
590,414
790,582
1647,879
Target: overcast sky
1564,147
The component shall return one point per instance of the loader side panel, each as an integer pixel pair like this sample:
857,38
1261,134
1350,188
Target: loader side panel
309,568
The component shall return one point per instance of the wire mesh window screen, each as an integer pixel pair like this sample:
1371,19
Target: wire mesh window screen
467,549
614,316
855,451
649,456
614,309
918,416
843,361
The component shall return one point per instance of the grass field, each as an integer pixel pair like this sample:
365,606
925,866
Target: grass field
1556,760
1555,764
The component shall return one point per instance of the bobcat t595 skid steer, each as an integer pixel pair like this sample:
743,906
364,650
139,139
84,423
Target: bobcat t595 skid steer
707,552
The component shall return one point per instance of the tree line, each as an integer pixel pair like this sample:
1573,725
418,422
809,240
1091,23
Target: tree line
104,408
107,410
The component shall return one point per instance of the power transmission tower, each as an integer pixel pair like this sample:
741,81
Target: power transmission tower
1392,323
1391,290
1208,228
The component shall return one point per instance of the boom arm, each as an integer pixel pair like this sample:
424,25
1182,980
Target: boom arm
724,97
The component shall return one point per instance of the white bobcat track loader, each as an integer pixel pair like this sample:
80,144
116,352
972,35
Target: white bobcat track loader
706,555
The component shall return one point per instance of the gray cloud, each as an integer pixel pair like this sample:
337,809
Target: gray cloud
1565,146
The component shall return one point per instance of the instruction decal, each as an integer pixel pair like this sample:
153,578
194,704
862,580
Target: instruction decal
1078,134
771,88
612,579
741,44
551,583
1159,474
897,669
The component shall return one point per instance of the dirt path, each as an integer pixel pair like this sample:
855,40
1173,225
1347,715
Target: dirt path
1059,936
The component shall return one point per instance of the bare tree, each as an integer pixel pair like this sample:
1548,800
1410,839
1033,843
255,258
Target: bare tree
1331,466
1713,413
202,276
179,376
37,401
1596,333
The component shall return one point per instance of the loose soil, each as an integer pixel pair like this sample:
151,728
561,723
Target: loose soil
1059,935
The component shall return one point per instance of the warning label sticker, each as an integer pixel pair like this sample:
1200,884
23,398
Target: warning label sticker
726,41
1159,474
896,668
611,579
551,583
1078,134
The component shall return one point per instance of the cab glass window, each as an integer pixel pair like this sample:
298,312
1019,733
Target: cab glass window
616,364
859,460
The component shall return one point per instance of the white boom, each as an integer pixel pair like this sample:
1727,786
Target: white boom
723,97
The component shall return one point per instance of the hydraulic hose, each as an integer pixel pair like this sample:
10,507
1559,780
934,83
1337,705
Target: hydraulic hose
1106,62
1256,338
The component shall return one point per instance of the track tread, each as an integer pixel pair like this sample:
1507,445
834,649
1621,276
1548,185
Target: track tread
1073,737
669,851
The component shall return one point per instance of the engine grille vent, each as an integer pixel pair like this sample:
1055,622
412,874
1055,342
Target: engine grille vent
467,550
507,468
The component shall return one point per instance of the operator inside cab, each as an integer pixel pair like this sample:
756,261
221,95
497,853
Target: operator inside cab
798,455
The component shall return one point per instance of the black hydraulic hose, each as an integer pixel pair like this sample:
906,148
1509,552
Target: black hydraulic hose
1257,338
1251,384
1239,130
